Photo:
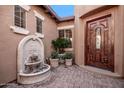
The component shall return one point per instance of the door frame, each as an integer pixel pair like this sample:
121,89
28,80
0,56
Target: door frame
97,16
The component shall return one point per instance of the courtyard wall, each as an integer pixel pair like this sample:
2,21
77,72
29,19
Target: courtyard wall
9,40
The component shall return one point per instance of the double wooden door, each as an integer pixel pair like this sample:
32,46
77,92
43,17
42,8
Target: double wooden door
99,49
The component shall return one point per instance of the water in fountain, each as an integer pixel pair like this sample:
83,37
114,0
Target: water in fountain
34,64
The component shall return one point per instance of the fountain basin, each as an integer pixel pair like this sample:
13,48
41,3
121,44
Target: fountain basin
31,78
33,63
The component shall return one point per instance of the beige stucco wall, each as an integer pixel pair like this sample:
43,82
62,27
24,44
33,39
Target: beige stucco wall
117,26
66,23
9,40
49,30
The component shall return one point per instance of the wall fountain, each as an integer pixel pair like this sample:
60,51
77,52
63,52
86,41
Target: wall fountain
31,66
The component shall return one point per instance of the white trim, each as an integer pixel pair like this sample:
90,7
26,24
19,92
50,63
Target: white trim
69,49
26,7
65,27
38,15
39,35
19,30
14,17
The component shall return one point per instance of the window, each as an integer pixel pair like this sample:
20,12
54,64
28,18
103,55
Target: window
39,25
66,33
20,14
61,33
69,36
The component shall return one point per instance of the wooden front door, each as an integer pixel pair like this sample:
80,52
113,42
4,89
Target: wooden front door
99,43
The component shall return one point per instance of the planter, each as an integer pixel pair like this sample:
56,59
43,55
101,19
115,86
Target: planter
54,63
68,62
61,61
61,58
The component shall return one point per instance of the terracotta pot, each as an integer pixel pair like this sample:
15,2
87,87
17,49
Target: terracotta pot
54,62
68,62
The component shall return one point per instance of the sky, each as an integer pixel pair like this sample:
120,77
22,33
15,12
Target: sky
63,10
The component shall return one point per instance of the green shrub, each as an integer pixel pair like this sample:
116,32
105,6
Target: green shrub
54,55
60,43
68,55
61,56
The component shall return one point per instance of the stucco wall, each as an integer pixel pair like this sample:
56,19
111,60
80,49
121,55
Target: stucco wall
9,40
66,23
83,9
117,26
8,45
49,30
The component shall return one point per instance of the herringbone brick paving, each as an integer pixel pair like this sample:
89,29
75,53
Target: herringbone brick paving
74,77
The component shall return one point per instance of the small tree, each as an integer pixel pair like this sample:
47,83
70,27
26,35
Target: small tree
60,43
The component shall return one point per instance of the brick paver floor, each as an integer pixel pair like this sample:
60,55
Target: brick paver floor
74,77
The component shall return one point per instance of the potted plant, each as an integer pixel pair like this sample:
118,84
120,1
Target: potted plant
60,43
54,59
61,58
68,59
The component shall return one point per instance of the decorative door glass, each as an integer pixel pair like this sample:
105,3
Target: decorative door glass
98,38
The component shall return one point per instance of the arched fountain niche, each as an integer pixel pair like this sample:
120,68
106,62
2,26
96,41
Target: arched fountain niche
31,67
